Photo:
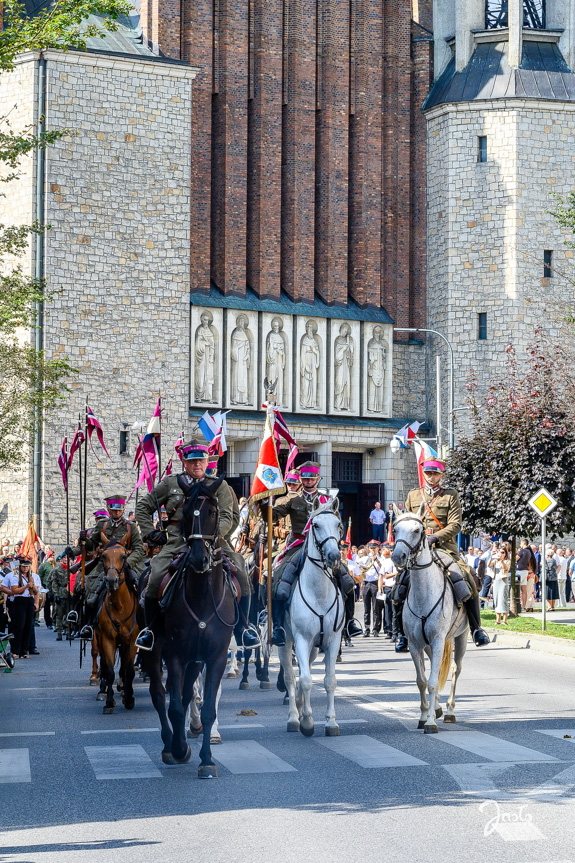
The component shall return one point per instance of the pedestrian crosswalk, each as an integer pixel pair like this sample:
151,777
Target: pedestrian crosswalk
135,761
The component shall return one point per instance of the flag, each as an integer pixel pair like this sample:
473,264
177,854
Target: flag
169,468
407,434
77,442
423,452
348,540
268,476
390,539
29,549
63,464
282,431
178,444
92,425
148,450
210,426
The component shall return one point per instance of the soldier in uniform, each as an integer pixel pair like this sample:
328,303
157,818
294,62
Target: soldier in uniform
299,507
169,494
442,519
113,527
283,531
59,588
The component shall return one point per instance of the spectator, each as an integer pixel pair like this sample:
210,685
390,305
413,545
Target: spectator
24,587
354,552
484,574
5,548
45,573
377,519
356,570
132,516
552,586
370,566
562,577
499,570
570,557
472,557
385,584
523,566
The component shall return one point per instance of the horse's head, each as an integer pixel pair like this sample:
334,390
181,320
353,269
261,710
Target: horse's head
114,556
409,535
201,523
326,531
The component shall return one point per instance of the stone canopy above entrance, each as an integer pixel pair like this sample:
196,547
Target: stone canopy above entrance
337,365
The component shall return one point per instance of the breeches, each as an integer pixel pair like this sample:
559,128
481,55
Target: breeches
160,563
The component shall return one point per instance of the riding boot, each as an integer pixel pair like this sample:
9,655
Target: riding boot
480,637
245,634
145,639
352,627
401,644
278,615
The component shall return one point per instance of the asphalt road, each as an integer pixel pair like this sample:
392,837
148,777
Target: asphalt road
499,786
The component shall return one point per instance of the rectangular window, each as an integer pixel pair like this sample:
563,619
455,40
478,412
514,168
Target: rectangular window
123,443
482,148
547,264
482,326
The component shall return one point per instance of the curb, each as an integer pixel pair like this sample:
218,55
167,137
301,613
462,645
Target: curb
539,643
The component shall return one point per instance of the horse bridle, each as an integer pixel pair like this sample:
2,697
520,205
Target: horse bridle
413,549
319,543
325,568
206,538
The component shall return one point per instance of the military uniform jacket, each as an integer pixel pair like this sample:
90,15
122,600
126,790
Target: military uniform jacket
297,507
118,530
59,581
169,494
444,503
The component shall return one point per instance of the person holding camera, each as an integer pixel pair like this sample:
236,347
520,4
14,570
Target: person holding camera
24,586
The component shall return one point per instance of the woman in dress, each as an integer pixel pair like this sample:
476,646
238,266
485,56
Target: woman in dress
498,568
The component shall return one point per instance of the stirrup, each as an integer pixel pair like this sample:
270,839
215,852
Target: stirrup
87,633
480,638
401,645
279,636
142,641
357,628
72,617
252,631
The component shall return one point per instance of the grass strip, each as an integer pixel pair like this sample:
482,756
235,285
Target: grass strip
531,625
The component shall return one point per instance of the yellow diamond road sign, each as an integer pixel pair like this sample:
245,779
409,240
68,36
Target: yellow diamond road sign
542,502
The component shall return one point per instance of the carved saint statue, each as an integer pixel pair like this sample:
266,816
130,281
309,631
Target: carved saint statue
241,360
310,353
276,358
204,359
343,357
376,359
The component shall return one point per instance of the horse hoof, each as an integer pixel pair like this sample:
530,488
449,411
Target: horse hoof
129,703
430,729
215,739
119,686
265,684
421,725
450,718
438,712
306,730
286,700
231,675
293,725
107,710
170,758
94,681
195,732
331,731
207,771
244,685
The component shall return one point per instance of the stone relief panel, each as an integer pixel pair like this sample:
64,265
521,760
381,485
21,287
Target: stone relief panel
377,372
206,357
242,359
310,379
277,356
344,378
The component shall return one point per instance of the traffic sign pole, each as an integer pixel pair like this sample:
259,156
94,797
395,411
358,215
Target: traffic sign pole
543,574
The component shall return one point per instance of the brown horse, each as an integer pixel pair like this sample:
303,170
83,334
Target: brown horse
117,627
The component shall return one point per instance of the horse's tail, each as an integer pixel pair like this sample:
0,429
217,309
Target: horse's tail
445,664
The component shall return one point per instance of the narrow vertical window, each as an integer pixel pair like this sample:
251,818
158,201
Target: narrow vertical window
482,148
123,443
547,264
482,326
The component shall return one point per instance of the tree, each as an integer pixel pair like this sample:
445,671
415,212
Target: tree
522,437
30,384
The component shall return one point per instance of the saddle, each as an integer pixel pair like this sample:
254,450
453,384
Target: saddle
174,574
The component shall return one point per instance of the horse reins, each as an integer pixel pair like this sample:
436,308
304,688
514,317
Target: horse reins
322,564
121,580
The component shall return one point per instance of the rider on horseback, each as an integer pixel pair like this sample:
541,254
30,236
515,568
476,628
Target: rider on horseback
299,507
169,494
442,520
114,526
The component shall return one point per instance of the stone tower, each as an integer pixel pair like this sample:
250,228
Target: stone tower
500,133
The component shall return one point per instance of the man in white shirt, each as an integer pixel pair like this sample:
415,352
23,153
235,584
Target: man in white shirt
370,567
385,583
377,519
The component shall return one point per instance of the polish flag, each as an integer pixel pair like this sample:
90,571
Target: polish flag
268,477
423,452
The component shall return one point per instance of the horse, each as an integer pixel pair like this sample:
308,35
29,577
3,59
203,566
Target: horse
116,627
314,620
432,620
197,629
258,617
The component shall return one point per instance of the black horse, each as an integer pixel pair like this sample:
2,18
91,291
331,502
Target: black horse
197,629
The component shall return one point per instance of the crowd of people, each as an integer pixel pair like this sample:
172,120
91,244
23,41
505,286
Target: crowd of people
23,594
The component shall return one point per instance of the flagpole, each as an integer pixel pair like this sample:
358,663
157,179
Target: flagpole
67,500
80,474
270,531
85,491
160,437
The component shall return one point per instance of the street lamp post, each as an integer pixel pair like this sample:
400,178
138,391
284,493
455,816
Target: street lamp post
451,384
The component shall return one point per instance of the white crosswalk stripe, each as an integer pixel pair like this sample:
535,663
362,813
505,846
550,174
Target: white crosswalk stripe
15,765
368,752
121,762
567,734
490,747
248,756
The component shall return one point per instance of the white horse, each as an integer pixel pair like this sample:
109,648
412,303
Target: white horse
194,720
314,621
432,620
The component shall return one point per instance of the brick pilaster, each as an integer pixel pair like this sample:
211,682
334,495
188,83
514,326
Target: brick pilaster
160,21
422,78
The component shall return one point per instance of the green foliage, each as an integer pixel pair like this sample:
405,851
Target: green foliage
522,437
565,215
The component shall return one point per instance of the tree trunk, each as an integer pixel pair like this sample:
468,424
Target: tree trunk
514,591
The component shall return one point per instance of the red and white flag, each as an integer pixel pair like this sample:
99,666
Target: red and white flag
77,442
148,449
268,478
